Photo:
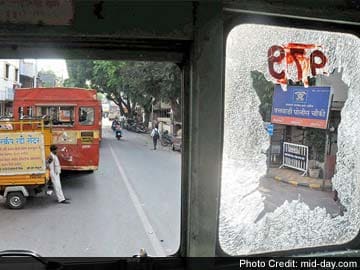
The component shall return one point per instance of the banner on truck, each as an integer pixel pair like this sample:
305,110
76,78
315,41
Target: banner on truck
22,153
300,106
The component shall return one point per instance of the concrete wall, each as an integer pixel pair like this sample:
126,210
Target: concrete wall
339,88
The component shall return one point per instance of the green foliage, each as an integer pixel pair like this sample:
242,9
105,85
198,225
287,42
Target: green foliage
130,84
264,89
316,139
80,72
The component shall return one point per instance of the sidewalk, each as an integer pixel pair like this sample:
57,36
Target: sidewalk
293,177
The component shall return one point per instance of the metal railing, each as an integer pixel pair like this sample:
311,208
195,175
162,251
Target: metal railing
21,125
296,156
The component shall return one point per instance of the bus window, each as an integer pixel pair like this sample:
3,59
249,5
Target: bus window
290,152
25,112
66,115
58,115
86,116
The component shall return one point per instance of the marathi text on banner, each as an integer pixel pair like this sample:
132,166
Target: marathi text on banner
22,153
300,106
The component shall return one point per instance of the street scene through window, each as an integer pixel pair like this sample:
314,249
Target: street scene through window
290,155
90,157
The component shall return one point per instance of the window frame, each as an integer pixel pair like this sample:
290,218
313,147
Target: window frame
79,115
7,71
235,17
189,51
16,74
57,108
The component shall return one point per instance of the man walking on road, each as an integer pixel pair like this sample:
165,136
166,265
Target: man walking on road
155,134
55,170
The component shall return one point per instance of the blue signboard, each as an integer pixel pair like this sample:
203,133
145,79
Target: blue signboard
300,106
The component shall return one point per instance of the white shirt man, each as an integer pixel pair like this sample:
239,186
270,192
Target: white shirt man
55,170
155,134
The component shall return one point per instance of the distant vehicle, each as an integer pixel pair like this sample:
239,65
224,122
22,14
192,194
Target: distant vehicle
19,179
118,134
74,115
114,114
105,109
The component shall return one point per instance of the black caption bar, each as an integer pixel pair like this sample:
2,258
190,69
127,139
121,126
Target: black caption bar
299,263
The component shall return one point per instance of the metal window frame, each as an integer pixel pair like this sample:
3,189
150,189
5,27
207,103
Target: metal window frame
234,16
199,51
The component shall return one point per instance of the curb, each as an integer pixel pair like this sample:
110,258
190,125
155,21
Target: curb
301,184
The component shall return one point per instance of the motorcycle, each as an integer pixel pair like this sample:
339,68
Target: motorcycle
141,129
118,134
166,139
114,124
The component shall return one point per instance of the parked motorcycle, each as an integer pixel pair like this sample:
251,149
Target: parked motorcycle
166,139
131,127
141,129
134,126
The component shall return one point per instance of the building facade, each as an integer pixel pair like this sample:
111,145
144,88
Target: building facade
9,80
28,73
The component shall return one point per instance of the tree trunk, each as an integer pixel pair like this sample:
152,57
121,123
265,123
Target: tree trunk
121,107
147,119
147,110
176,108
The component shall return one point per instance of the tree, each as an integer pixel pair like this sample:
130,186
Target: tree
171,88
264,89
80,73
315,139
130,84
114,79
48,78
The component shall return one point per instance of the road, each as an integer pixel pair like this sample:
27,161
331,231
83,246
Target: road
276,193
131,202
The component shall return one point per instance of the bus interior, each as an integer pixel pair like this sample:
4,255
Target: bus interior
220,46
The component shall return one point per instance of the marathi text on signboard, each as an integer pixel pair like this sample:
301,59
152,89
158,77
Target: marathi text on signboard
300,106
22,153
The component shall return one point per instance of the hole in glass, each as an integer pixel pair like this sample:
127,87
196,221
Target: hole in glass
290,159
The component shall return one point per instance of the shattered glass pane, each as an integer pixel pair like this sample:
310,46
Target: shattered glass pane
246,226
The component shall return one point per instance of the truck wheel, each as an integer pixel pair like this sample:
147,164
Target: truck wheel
15,200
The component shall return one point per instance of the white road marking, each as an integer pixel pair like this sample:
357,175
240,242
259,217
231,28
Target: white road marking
144,219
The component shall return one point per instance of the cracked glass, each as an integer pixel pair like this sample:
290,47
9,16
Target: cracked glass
290,173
